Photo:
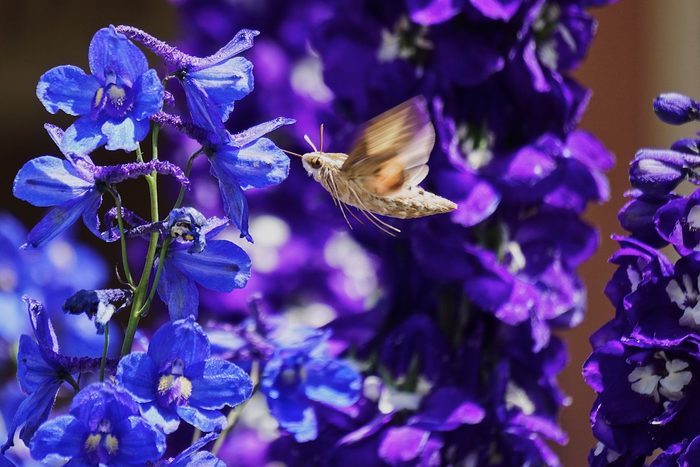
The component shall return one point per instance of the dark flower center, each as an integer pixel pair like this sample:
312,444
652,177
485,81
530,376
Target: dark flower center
115,97
173,386
100,445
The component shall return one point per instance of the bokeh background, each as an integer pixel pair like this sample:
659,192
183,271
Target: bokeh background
643,48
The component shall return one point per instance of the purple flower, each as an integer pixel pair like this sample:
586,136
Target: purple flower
676,109
104,427
113,103
177,379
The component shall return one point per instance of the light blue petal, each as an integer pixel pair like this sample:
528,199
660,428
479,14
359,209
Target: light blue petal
246,137
221,266
164,418
62,436
183,339
178,292
67,88
125,134
14,319
49,181
32,412
205,420
57,220
257,165
139,442
204,114
235,204
33,372
83,136
198,459
216,383
224,83
139,375
149,95
332,382
112,52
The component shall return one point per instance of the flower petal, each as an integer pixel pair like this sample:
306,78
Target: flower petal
32,412
224,83
125,134
257,165
63,436
183,339
57,220
178,292
294,413
332,382
67,88
112,52
33,371
138,442
199,459
92,220
83,136
216,383
221,266
149,95
164,418
49,181
246,137
235,203
205,420
139,375
203,113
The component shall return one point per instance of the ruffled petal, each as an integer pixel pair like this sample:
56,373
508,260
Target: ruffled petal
205,420
63,436
49,181
83,136
149,95
178,292
224,83
57,220
332,382
216,383
125,134
164,418
139,375
183,339
67,88
221,266
112,52
257,165
139,442
235,203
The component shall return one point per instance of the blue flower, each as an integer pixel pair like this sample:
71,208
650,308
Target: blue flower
41,370
193,457
247,160
176,379
302,372
113,103
220,265
104,427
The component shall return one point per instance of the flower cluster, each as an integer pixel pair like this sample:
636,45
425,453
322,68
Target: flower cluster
455,334
644,364
128,406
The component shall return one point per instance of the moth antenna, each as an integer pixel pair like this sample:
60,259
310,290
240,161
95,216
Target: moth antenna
292,153
321,142
308,140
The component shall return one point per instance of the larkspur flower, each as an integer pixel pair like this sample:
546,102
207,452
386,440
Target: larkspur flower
302,372
113,103
220,265
177,379
103,428
98,304
75,186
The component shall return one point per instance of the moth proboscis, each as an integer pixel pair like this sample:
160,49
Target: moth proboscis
381,173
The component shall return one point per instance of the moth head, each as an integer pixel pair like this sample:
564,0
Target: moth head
312,162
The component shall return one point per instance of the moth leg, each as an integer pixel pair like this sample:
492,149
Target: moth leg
337,202
380,224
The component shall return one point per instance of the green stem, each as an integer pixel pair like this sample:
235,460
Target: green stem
156,278
154,141
235,413
188,169
122,237
139,154
103,362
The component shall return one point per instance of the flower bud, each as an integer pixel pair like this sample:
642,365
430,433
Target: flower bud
676,109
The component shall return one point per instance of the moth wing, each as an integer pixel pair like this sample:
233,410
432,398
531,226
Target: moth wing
392,149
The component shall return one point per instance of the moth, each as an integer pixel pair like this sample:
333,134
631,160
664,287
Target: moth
382,172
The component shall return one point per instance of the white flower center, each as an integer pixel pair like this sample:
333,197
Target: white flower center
686,298
694,217
669,383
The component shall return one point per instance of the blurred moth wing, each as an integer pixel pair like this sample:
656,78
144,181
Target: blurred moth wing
385,165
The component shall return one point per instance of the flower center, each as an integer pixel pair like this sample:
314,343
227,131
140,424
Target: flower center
114,98
667,381
686,296
174,387
408,41
102,442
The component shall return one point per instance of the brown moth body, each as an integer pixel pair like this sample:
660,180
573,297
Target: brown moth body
381,173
